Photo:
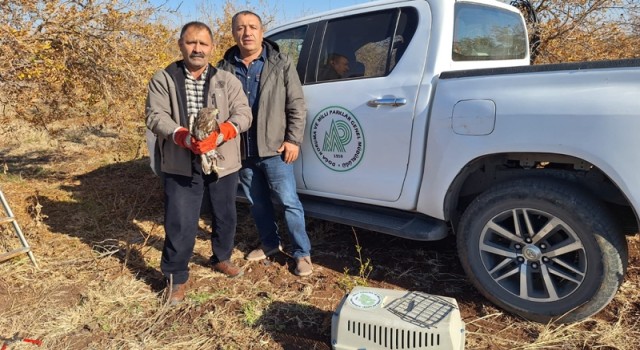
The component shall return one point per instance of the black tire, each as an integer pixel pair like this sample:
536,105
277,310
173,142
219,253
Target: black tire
570,272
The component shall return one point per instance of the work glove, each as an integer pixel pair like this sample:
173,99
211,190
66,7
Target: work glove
183,138
228,131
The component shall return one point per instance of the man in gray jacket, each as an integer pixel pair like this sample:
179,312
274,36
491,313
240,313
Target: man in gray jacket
175,96
272,144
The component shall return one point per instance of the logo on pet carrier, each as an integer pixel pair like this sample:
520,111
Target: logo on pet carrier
337,138
365,300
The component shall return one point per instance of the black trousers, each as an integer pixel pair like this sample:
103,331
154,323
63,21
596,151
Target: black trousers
183,198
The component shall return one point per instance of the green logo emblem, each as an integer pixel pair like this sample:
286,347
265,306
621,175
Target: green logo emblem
337,138
365,300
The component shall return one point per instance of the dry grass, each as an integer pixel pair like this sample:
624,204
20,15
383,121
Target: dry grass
92,212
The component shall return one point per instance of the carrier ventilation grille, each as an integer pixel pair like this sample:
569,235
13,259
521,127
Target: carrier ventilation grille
393,338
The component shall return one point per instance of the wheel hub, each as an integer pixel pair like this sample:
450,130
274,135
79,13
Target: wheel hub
532,253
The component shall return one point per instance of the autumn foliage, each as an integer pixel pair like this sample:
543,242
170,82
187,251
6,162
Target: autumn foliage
62,59
91,59
586,30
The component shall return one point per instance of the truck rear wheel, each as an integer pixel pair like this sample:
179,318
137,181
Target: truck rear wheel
543,249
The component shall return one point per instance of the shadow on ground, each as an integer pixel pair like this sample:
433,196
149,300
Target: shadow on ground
105,206
108,204
296,326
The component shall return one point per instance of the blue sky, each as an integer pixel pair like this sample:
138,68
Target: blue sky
284,9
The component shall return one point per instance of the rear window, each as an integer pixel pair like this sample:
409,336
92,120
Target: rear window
484,33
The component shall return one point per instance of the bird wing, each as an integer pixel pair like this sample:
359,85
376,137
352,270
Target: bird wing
206,122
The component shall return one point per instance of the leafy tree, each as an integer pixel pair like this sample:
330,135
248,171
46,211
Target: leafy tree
585,30
68,58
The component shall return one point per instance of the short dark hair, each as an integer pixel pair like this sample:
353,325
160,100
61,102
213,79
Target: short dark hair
197,25
334,55
244,13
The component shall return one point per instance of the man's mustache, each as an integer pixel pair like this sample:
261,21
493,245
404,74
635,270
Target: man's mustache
196,55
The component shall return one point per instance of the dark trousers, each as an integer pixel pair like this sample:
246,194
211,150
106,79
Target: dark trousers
183,198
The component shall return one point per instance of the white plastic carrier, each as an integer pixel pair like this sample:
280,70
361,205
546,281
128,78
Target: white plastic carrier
374,318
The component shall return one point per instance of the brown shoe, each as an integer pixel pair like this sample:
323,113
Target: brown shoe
175,293
303,266
228,268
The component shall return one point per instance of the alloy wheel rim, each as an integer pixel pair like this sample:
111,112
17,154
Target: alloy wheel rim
533,255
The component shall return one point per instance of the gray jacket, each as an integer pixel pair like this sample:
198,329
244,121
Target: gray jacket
166,110
281,108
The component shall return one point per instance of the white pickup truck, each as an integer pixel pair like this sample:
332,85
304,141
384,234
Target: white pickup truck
440,126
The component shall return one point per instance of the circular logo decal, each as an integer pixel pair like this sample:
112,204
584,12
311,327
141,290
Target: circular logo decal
365,300
337,139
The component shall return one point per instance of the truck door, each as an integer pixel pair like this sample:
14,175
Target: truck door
361,84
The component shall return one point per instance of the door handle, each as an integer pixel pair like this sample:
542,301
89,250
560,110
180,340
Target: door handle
393,102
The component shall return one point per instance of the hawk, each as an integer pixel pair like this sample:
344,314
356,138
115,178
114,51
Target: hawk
203,125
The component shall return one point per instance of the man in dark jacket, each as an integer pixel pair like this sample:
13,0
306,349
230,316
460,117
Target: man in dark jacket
175,96
272,144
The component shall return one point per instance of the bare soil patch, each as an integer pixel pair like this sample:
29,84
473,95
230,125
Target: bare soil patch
92,211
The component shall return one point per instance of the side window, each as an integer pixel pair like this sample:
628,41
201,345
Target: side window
487,33
365,46
290,42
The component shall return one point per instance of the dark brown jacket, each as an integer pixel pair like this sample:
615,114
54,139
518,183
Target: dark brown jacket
282,111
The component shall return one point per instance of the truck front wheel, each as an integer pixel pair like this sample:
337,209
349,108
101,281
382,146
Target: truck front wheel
543,249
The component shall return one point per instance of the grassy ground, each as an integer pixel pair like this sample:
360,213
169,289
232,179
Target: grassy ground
92,212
